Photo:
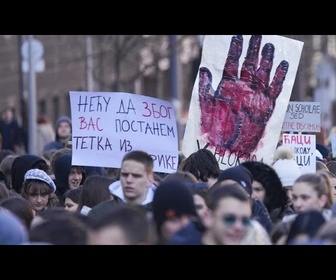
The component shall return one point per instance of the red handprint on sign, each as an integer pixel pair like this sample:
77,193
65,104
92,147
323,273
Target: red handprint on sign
234,116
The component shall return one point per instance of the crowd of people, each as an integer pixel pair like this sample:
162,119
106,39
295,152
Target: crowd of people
45,200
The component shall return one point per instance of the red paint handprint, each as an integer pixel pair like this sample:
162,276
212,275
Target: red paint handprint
234,116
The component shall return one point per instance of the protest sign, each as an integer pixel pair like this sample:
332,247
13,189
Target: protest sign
333,144
304,147
302,117
238,106
106,125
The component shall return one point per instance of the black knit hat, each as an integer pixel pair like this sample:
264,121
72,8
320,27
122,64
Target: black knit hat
323,150
239,174
172,199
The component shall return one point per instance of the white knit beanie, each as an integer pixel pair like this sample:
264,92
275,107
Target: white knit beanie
285,166
40,175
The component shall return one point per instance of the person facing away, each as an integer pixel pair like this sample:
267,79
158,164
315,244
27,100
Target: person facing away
305,227
136,184
58,226
12,229
95,189
21,207
203,165
124,224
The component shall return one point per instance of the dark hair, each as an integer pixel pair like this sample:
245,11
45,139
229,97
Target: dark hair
62,229
279,230
131,219
142,157
202,164
56,154
21,207
180,175
73,194
4,193
267,176
95,189
235,190
307,223
42,165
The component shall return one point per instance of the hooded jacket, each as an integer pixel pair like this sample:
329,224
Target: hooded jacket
63,165
116,190
21,165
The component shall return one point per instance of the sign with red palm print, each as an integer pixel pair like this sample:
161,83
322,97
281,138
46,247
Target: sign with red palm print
240,96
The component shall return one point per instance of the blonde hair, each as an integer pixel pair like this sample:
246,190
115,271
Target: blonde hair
321,166
256,235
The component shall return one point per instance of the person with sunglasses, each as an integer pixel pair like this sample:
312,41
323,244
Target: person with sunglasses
244,177
229,215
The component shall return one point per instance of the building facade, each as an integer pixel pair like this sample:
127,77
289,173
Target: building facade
163,66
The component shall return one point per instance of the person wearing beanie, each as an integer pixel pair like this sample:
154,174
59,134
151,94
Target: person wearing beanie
63,130
38,188
288,171
21,165
241,175
267,188
175,215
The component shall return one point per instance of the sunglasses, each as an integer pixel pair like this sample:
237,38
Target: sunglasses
231,219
